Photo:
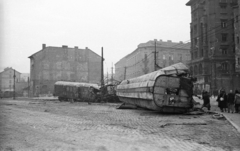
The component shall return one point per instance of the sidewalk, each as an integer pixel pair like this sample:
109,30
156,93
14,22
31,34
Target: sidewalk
233,118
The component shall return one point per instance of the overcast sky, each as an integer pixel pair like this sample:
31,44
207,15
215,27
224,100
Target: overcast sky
116,25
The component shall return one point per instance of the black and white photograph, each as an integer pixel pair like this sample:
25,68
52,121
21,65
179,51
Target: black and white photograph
119,75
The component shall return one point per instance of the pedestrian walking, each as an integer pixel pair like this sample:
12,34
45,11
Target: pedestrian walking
222,101
230,101
206,100
237,101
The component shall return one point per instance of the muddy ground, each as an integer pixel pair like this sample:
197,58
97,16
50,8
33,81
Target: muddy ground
53,125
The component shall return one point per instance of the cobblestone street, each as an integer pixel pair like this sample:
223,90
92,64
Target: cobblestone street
54,125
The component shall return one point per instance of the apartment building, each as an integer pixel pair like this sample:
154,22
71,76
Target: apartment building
212,44
52,64
7,79
151,56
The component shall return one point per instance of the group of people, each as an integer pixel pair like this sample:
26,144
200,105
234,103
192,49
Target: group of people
226,102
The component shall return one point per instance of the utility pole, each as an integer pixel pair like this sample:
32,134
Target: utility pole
155,55
107,76
125,73
28,87
102,82
102,77
14,76
112,74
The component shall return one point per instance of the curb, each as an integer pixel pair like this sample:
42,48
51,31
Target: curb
233,124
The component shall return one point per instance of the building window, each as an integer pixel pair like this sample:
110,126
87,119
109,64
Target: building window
223,23
196,42
164,57
200,69
224,37
224,51
237,39
195,29
224,66
195,70
191,70
223,1
223,6
180,57
201,52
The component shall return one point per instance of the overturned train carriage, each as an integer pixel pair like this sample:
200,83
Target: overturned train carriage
167,90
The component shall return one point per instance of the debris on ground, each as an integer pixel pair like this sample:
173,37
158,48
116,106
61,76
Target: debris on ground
198,123
46,110
126,106
218,116
37,102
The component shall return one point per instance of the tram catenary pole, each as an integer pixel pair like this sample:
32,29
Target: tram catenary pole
102,77
14,76
112,75
28,87
155,55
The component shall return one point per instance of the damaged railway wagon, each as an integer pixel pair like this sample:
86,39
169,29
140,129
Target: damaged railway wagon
167,90
75,91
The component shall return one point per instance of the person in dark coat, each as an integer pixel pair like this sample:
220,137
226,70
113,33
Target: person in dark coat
230,101
222,101
237,101
206,100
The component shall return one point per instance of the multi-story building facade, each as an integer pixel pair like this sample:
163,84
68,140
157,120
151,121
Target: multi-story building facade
212,44
151,56
52,64
237,36
7,79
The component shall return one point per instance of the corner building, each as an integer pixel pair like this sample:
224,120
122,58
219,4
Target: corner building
53,64
237,36
143,60
213,45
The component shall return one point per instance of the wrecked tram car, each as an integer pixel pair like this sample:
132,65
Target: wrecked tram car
75,91
168,90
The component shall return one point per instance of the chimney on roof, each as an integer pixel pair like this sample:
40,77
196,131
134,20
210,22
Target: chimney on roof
169,41
64,46
160,40
180,42
86,48
43,46
76,47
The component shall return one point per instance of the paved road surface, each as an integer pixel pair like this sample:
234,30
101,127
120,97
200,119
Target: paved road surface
40,125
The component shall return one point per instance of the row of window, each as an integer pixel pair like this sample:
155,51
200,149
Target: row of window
198,69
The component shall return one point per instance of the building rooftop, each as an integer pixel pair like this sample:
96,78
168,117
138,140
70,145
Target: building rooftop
190,2
9,68
166,44
63,47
